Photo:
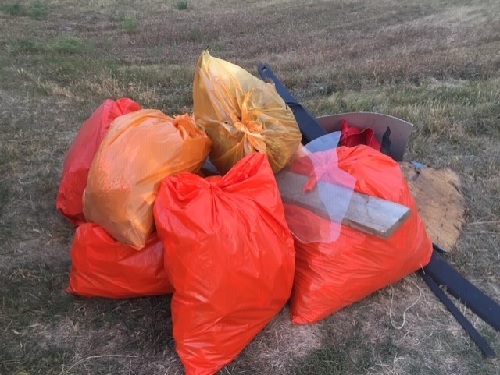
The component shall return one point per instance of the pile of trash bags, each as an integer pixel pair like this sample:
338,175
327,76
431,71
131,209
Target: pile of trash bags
152,220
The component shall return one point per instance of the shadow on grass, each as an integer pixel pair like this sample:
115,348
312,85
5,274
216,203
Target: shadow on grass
49,331
345,352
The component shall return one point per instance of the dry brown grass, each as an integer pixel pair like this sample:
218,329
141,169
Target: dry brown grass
435,63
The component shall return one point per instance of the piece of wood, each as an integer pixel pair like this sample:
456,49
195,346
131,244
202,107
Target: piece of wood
366,213
439,202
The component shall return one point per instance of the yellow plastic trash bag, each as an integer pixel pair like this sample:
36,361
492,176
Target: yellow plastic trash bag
139,150
242,114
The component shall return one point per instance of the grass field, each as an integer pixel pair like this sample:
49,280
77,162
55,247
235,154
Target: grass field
435,63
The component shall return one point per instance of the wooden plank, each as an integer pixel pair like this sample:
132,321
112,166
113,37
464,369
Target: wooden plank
366,213
439,202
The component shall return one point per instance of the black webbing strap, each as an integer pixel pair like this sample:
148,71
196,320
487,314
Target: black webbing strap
462,289
308,125
464,322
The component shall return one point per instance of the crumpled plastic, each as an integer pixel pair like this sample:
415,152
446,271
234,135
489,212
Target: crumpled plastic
242,114
139,150
326,187
353,136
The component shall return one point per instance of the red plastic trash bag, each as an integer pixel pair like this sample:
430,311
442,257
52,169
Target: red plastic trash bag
139,150
82,152
230,257
102,267
332,275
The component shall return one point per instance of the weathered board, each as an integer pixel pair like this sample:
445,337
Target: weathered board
439,202
366,213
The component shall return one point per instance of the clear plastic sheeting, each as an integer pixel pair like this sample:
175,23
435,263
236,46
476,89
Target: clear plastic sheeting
315,182
326,142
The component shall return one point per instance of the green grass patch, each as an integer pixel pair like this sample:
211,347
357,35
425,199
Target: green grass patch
181,5
468,108
14,10
69,45
130,24
28,45
66,45
345,357
195,34
4,195
37,11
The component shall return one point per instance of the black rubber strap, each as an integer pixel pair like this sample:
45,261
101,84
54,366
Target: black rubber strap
308,125
461,288
439,249
464,322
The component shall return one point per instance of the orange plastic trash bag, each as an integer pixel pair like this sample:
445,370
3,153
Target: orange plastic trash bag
332,275
102,267
230,257
242,114
82,152
139,150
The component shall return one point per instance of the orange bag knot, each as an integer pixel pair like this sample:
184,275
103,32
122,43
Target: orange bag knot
252,131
